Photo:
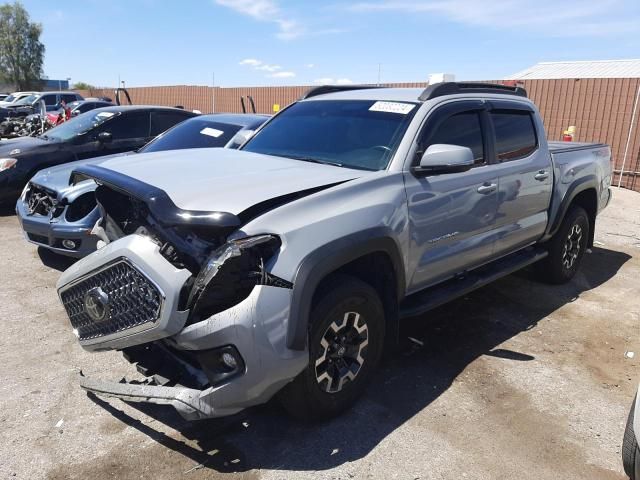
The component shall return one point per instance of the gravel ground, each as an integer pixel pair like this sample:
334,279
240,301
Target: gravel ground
517,380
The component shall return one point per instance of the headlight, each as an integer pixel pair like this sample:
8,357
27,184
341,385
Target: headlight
230,273
7,163
26,188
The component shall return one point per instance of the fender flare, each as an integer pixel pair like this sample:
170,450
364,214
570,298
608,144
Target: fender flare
578,186
327,259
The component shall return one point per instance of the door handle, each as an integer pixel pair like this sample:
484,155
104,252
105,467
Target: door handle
541,175
487,188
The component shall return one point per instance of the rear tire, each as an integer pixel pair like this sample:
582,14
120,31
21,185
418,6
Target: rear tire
346,339
630,449
566,248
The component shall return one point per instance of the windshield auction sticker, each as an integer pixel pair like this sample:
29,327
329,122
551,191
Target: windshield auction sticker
212,132
392,107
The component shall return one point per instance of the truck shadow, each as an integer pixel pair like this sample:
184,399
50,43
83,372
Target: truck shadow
443,343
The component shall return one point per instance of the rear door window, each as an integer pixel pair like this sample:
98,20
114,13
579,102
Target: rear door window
162,121
68,98
50,100
515,134
129,125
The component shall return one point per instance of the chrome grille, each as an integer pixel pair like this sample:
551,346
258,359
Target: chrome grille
132,300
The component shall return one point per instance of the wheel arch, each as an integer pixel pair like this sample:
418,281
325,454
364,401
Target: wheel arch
584,193
355,254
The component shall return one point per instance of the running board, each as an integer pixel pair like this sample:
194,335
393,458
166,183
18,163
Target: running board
432,297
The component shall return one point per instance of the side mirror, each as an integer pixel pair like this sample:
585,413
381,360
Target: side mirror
105,137
441,158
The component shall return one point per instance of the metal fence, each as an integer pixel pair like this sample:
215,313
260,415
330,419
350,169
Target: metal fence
601,109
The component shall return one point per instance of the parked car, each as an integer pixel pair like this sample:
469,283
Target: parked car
83,106
286,266
3,96
99,132
58,212
30,104
14,97
630,449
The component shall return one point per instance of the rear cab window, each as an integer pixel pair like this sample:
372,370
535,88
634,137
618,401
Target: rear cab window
515,134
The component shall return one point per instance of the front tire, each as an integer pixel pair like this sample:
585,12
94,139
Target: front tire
346,339
566,248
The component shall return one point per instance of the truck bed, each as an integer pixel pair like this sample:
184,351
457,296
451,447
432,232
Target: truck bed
563,147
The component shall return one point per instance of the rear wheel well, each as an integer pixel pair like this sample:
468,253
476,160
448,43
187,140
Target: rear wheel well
588,199
375,269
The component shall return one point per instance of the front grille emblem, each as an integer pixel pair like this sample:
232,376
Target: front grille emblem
96,303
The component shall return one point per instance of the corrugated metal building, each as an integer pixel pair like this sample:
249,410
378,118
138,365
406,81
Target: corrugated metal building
581,69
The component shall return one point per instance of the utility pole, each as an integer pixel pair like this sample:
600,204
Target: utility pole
379,72
213,92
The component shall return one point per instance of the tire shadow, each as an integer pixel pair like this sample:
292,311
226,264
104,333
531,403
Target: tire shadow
443,343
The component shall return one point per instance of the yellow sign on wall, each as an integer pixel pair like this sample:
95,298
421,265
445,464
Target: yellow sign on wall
276,107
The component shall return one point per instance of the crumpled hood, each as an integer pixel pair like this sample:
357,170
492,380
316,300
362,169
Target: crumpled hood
224,180
57,178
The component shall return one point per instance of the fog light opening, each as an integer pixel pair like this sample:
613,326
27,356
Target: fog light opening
229,361
69,244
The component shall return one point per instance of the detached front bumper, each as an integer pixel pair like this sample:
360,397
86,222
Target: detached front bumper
185,400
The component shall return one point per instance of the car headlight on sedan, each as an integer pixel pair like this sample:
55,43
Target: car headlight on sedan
7,163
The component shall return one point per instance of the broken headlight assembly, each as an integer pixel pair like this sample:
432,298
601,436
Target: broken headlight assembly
231,272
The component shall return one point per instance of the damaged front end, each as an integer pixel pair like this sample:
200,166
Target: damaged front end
179,296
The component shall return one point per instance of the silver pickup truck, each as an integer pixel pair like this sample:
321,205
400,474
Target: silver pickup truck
284,268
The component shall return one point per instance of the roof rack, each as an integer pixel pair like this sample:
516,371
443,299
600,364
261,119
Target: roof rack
452,88
321,90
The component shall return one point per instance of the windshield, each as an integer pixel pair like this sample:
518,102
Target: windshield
79,125
193,133
26,100
360,134
10,98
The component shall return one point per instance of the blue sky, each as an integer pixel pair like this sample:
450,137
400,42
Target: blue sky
278,42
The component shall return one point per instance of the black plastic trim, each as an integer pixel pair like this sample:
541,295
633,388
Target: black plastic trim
328,258
455,88
577,186
160,205
321,90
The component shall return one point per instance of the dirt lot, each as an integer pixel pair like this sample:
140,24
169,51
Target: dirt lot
518,380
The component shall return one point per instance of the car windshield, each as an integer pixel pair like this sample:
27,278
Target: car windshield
29,99
193,133
361,134
10,98
79,125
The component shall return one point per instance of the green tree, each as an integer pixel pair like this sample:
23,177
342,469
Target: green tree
21,52
83,86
